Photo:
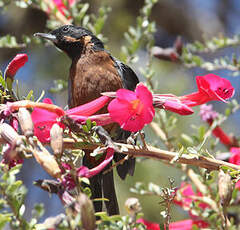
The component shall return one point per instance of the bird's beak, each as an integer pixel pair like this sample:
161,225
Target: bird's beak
50,37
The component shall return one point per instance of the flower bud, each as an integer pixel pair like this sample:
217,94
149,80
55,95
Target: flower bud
225,188
18,61
8,133
25,121
56,134
87,212
48,162
133,206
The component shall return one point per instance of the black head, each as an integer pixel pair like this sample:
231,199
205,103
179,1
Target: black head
73,40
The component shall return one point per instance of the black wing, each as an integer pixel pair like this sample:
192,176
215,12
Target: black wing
129,78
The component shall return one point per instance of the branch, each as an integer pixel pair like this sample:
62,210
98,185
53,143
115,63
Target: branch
159,154
155,153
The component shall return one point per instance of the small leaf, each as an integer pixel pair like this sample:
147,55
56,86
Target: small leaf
89,124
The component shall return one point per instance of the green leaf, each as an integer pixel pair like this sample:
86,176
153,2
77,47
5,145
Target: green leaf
30,95
89,124
2,81
5,218
85,128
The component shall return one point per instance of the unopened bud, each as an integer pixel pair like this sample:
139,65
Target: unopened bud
56,134
225,188
87,212
17,62
48,162
25,121
133,206
9,153
8,134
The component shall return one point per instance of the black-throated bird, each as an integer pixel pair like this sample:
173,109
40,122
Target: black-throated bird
93,71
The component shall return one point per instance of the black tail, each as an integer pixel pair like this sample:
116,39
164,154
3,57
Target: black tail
102,185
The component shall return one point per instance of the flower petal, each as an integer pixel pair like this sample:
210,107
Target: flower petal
41,115
119,110
89,108
42,130
144,94
127,95
216,87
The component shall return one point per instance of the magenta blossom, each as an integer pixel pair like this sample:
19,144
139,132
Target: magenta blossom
210,88
85,172
68,181
179,225
44,118
132,110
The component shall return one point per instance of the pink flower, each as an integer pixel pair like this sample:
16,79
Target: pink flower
187,224
208,114
85,172
68,181
18,61
179,225
44,117
43,121
187,196
171,103
210,88
132,110
235,158
149,225
60,5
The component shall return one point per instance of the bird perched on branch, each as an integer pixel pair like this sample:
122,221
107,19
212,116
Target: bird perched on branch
92,72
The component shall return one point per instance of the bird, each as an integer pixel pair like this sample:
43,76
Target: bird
93,71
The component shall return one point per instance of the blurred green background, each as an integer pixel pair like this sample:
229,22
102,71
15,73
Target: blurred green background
193,20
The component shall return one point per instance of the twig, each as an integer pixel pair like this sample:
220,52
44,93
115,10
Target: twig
155,153
159,154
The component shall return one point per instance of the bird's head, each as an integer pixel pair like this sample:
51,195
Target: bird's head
72,40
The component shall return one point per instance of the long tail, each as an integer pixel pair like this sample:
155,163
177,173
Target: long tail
102,185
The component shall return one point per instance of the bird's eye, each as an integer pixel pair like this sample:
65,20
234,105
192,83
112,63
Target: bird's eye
65,29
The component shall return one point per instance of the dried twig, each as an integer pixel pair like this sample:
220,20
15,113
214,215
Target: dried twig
155,153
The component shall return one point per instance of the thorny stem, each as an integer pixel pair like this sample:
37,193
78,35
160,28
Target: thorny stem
159,154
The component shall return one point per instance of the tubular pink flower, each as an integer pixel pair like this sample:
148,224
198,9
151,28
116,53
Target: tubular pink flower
43,121
210,88
171,103
149,225
235,158
44,116
187,224
18,61
100,119
85,172
187,197
89,108
132,110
